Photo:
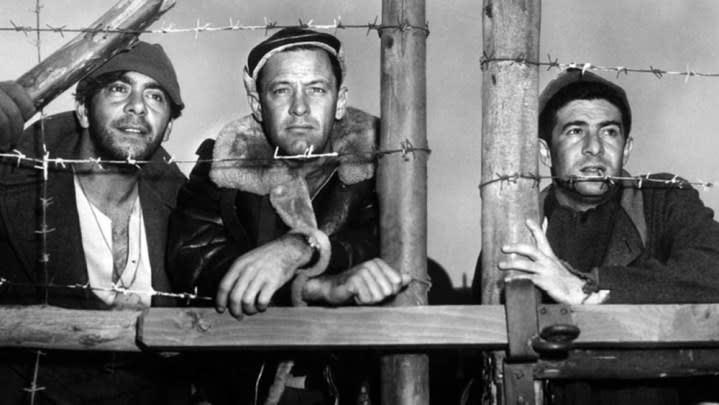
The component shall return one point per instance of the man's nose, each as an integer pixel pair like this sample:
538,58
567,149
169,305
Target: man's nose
299,104
592,143
136,103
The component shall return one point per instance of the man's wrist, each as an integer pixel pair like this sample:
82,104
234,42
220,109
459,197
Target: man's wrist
310,248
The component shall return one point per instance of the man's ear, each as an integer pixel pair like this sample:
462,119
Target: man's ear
168,129
545,154
81,114
255,105
628,145
341,109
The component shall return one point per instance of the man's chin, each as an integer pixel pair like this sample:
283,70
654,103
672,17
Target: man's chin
591,191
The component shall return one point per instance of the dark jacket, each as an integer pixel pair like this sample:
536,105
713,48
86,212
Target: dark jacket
20,218
663,248
76,377
225,211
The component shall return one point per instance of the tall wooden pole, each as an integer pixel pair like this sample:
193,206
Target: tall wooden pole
402,181
509,195
509,131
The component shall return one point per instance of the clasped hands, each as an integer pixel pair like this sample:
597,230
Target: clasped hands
253,278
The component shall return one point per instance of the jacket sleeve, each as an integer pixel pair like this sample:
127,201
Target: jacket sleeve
357,240
680,263
199,249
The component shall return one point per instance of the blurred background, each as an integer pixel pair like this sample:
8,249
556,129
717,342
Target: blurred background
674,121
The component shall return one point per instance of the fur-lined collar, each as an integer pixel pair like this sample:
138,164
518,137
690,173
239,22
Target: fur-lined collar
243,159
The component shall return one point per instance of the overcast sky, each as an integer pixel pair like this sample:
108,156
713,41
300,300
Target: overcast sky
674,120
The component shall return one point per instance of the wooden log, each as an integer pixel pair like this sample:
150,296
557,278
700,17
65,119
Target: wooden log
402,181
509,133
509,155
479,326
46,327
88,51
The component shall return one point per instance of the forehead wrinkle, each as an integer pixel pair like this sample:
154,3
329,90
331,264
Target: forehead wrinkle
300,66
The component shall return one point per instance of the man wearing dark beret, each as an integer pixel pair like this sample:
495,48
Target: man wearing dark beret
106,224
286,214
606,237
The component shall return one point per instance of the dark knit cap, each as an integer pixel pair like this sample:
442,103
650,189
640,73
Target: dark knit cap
573,84
289,38
148,59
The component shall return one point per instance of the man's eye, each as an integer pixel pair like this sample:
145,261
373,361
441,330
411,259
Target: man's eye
611,132
574,131
117,88
280,91
318,90
157,97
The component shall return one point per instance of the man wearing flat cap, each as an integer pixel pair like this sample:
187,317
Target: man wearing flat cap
286,213
607,237
106,223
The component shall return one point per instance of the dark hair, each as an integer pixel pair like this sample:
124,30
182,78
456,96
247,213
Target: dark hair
93,86
579,91
336,68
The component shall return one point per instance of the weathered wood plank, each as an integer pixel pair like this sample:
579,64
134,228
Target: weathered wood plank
631,364
48,327
602,326
400,327
624,326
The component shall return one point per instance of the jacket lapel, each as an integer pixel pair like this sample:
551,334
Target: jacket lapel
69,264
630,229
155,213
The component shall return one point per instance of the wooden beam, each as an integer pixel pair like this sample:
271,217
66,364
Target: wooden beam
631,364
402,181
314,327
89,50
46,327
481,326
509,133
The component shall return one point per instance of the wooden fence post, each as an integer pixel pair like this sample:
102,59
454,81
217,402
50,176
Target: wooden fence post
402,181
509,159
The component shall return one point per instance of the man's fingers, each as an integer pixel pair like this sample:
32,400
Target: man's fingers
539,237
381,283
265,296
11,122
522,249
20,97
519,264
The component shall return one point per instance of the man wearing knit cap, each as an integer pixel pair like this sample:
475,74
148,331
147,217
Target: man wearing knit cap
287,212
106,220
607,237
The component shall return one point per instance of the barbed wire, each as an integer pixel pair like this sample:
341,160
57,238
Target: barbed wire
406,149
114,288
633,181
268,25
486,60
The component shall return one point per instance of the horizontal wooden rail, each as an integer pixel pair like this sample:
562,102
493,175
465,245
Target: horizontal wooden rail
602,327
46,327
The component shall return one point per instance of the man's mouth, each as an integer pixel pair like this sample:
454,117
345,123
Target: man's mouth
593,171
133,130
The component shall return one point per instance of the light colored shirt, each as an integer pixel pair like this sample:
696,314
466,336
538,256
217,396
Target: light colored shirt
96,231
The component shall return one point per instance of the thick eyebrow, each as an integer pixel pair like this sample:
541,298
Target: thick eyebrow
575,123
584,123
610,122
154,85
